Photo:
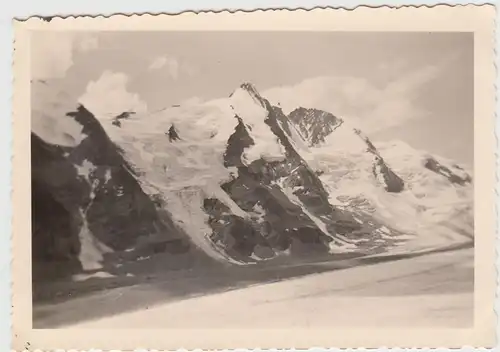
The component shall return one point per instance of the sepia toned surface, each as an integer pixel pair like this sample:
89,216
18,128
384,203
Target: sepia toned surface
285,178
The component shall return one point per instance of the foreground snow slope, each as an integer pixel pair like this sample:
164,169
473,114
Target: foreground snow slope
432,290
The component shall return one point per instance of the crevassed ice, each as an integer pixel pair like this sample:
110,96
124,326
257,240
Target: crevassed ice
183,172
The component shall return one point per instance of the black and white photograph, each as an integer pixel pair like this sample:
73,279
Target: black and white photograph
188,179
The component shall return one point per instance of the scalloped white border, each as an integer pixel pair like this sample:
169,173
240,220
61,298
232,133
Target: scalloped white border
477,19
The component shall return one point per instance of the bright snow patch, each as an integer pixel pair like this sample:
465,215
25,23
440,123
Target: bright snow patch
91,251
259,213
85,169
107,176
49,106
253,114
97,275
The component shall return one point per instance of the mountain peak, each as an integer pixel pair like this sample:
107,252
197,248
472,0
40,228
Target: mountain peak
251,90
314,125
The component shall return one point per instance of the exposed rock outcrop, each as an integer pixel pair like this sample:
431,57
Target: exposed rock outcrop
457,176
314,125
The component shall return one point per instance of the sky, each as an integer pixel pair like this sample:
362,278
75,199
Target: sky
417,87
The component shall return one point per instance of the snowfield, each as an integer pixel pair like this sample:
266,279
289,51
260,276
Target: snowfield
428,291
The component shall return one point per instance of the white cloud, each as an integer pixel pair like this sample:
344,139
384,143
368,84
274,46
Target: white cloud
372,106
158,63
49,105
170,63
173,66
51,55
52,52
412,80
108,96
88,43
192,101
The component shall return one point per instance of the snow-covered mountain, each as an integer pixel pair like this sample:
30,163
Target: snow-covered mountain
234,179
86,201
422,195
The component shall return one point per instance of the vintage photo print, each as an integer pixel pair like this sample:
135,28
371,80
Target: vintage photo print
270,179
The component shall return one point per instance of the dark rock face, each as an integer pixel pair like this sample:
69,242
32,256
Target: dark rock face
122,116
313,124
392,182
236,145
283,120
235,234
255,186
57,193
120,211
280,219
433,165
172,134
92,184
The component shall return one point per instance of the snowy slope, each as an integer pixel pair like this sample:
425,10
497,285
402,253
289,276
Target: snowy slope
437,208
